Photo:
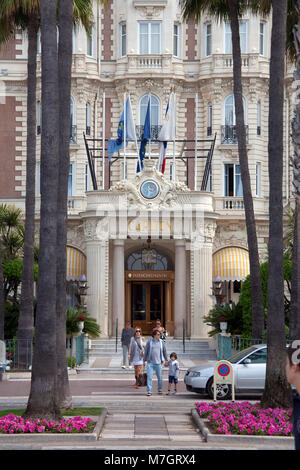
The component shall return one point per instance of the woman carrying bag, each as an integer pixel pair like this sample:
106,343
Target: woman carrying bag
136,355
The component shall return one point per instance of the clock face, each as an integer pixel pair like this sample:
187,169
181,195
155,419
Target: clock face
149,189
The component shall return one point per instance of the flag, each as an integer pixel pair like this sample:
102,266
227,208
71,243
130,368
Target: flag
167,132
114,145
145,137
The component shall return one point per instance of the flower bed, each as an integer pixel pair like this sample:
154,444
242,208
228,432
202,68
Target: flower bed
245,418
12,424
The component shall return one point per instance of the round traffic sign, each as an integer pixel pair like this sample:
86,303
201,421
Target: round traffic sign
223,370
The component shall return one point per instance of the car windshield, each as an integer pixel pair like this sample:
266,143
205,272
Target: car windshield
237,356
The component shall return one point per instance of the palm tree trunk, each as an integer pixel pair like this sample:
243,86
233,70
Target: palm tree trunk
256,287
295,290
277,391
65,69
25,326
1,298
43,399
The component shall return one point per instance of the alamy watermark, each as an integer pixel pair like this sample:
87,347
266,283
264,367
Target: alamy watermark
296,354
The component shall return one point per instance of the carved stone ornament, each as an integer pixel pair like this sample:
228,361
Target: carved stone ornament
166,196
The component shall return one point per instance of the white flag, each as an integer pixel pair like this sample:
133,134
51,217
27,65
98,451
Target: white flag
167,132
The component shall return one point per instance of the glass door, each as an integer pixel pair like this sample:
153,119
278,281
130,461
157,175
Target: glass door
146,305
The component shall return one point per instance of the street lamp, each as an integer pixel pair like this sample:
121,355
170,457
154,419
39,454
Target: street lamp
217,289
83,287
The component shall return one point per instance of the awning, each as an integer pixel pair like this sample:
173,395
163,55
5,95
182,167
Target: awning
231,264
76,264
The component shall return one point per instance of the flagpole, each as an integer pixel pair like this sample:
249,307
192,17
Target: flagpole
196,142
174,144
124,137
149,155
103,141
136,144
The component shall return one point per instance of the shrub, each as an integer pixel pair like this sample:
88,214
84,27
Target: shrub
231,313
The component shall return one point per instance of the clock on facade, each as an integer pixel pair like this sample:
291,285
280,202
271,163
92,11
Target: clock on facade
149,189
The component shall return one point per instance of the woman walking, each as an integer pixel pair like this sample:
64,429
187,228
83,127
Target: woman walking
136,354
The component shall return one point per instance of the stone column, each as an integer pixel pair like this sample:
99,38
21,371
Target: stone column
118,286
180,287
97,278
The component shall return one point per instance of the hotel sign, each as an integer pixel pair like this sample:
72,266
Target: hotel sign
149,275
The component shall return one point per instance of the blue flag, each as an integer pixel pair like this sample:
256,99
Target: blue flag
145,137
114,145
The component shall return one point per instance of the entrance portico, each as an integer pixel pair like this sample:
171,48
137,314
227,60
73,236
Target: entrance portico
149,255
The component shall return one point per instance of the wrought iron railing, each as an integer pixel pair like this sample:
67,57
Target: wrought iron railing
18,354
228,135
155,130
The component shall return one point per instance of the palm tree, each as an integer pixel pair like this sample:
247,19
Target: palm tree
277,390
42,399
295,295
83,13
233,10
25,15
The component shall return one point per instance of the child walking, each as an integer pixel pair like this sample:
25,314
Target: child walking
173,372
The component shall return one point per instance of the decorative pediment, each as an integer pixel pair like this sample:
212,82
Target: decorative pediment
151,8
150,189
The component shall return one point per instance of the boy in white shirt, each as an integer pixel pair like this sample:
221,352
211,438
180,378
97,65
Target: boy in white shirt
173,372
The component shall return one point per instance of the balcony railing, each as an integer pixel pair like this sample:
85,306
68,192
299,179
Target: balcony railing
233,203
228,135
155,130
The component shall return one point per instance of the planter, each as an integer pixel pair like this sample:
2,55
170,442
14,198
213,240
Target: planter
80,325
223,326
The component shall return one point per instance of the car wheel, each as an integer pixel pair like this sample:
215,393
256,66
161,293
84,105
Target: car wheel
223,391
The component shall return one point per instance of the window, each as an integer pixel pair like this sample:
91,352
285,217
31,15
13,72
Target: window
38,118
208,39
259,357
243,37
73,41
258,179
209,119
71,180
154,109
232,180
176,40
150,38
209,183
38,179
122,39
262,38
88,118
91,43
229,110
258,118
73,126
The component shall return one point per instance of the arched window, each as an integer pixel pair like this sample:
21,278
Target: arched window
148,259
229,127
229,110
154,114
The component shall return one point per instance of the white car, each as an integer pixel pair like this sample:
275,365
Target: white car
249,374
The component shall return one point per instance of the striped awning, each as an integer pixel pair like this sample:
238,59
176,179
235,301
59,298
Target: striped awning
231,264
76,264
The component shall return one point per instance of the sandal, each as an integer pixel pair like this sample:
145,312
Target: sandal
149,394
160,392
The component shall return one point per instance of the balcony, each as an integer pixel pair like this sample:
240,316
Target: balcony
228,135
155,130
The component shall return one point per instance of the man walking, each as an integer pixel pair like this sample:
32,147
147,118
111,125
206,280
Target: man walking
127,334
155,355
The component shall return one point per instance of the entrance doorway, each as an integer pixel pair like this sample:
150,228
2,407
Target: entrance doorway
147,304
149,296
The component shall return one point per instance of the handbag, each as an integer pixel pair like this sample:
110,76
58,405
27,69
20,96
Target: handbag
142,379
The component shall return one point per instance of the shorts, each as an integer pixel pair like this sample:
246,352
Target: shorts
173,379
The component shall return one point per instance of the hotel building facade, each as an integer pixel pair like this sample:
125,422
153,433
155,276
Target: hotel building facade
151,244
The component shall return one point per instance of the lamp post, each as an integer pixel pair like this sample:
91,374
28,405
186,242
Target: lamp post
217,289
